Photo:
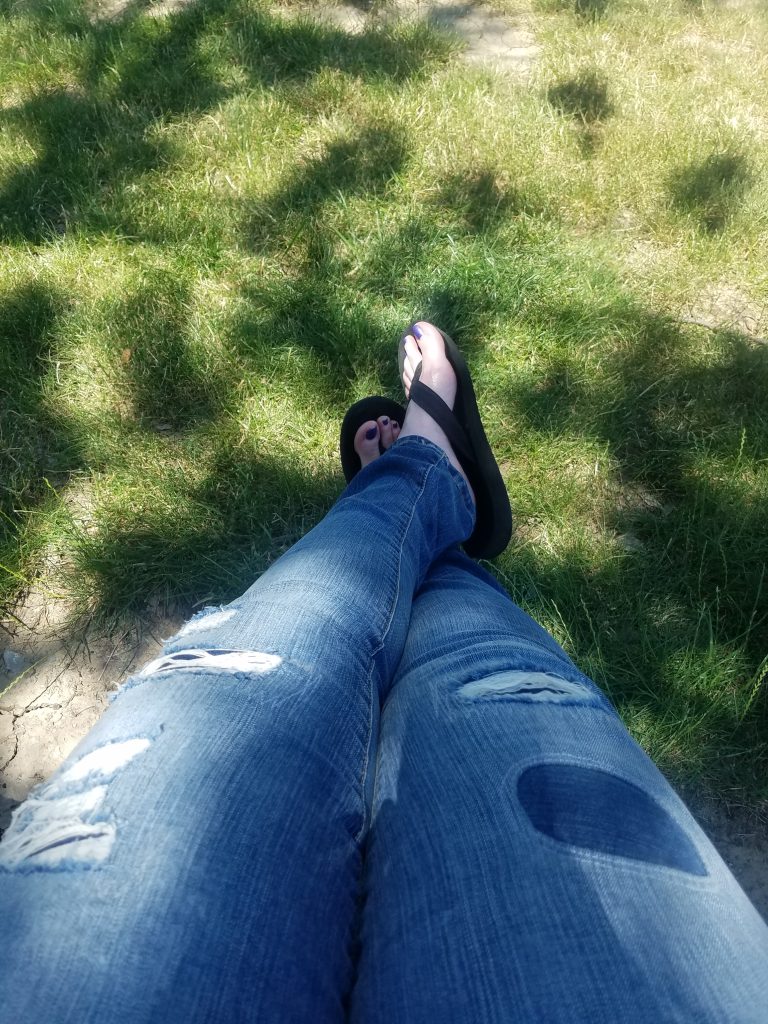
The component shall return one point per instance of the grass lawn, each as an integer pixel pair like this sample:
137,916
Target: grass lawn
215,224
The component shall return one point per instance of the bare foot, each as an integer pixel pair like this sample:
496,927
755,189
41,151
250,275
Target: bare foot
437,373
370,433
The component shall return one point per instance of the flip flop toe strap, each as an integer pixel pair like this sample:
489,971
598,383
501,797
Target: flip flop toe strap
443,415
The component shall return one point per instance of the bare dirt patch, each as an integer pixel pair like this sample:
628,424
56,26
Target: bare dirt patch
504,42
741,837
54,684
725,307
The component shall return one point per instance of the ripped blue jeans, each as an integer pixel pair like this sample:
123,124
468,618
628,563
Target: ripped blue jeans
373,790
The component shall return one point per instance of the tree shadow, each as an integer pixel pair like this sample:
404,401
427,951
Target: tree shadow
586,100
171,378
229,528
361,165
33,444
590,10
483,200
710,190
661,412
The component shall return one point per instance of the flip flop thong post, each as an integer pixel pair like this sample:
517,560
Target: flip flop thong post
464,429
366,409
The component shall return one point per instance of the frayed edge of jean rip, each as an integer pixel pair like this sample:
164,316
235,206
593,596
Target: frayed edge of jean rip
207,619
534,687
213,660
56,827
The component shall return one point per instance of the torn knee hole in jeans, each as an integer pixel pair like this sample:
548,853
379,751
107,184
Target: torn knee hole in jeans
216,659
601,812
61,824
541,687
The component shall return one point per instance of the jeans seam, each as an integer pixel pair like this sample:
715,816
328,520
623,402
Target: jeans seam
380,647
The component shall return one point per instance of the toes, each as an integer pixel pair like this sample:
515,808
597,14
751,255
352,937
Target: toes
367,442
385,431
389,432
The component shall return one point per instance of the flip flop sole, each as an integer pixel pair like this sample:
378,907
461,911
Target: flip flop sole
493,526
366,409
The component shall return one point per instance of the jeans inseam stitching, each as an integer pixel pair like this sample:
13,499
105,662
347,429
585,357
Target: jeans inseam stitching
384,635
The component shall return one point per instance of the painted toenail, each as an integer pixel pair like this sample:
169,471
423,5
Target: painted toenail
384,420
416,331
370,433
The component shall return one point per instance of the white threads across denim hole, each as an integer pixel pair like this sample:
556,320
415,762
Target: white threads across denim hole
252,662
541,687
58,825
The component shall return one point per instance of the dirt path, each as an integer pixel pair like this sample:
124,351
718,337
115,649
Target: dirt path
507,43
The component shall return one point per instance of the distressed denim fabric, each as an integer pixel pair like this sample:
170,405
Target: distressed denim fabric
526,861
247,836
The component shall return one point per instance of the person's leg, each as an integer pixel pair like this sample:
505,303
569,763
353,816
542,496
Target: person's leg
197,857
526,861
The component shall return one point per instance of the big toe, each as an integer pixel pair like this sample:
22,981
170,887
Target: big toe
430,340
367,442
437,372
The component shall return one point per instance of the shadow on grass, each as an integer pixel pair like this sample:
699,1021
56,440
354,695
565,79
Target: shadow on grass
138,75
172,379
686,435
219,539
32,446
363,164
591,10
711,190
587,101
584,97
484,201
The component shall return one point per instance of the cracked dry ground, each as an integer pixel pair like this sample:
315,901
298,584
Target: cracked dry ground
62,691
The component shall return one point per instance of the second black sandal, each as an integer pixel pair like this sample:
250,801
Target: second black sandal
370,408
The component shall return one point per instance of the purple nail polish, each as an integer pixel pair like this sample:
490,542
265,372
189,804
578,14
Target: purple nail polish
384,421
416,331
370,433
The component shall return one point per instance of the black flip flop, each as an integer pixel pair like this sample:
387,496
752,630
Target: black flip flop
366,409
464,429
